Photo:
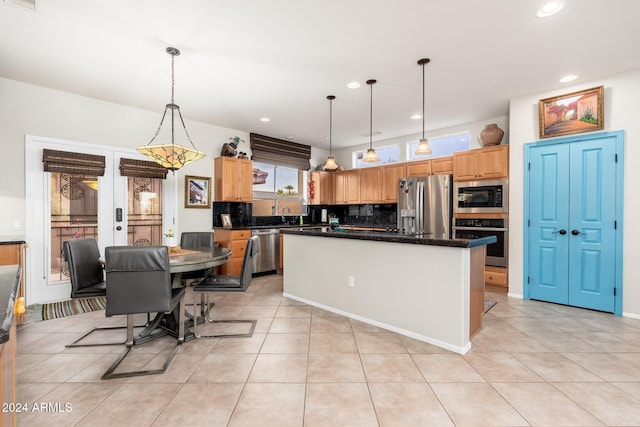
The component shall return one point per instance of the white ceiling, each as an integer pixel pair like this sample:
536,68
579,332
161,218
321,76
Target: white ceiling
244,59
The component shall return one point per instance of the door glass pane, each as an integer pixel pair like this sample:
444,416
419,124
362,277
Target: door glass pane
144,211
74,214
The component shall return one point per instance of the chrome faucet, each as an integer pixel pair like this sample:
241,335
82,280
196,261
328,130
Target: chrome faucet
284,220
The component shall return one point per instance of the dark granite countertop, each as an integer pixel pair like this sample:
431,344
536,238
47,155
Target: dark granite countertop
268,227
9,282
11,240
379,236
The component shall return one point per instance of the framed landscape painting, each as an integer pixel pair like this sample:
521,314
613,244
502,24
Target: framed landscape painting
575,112
197,192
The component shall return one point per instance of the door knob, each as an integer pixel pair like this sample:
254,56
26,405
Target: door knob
575,232
118,228
563,232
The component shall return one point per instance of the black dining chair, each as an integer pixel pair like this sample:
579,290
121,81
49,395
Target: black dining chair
87,279
225,283
139,281
196,240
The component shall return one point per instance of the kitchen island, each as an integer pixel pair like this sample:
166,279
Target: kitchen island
428,289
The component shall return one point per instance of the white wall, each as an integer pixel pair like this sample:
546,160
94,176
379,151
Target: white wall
34,110
621,113
344,156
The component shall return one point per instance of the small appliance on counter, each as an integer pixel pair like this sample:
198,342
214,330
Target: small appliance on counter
425,206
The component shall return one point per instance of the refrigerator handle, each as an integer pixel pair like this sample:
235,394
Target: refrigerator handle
420,208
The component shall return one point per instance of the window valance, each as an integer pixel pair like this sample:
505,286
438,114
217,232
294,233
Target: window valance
142,169
279,152
73,163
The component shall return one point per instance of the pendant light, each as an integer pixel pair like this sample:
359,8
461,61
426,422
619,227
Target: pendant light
423,145
171,155
330,165
371,156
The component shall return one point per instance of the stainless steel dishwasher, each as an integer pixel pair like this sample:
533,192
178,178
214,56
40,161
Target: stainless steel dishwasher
268,250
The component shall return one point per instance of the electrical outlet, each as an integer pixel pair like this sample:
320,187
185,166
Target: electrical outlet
351,282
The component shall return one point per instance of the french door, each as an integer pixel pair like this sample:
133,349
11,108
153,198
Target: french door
113,209
573,221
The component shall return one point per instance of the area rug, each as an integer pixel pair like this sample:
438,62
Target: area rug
55,310
488,305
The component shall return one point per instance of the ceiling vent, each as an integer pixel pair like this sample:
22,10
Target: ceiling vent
33,5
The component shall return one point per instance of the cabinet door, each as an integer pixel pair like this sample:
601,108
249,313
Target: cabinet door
339,180
390,177
326,188
419,168
493,162
465,165
244,180
442,166
352,186
371,185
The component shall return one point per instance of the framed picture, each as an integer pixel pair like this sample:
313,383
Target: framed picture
574,112
226,220
197,192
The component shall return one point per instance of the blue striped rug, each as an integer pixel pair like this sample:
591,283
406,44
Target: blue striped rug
55,310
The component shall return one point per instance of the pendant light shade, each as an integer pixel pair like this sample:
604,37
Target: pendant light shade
371,156
330,165
171,155
423,145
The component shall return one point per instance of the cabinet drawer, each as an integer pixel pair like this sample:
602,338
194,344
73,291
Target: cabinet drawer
495,278
237,248
240,234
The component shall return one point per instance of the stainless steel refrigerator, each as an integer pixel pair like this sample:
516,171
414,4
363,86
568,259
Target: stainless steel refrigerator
425,206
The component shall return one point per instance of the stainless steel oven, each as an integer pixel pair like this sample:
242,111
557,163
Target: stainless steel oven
473,228
485,196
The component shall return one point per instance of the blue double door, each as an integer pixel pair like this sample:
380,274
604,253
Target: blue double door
572,222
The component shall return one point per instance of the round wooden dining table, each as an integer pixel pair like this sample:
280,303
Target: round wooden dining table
185,260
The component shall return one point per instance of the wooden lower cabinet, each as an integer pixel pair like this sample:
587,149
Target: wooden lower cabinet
8,376
496,276
10,254
236,241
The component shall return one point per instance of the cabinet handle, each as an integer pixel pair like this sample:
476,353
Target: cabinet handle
575,232
562,232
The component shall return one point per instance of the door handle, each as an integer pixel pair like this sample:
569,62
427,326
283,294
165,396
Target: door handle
562,232
575,232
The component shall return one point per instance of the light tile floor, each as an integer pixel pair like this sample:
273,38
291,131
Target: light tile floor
532,364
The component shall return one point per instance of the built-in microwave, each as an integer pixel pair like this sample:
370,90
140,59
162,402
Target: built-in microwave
486,196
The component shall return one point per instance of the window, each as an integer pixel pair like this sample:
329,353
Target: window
278,188
389,154
441,146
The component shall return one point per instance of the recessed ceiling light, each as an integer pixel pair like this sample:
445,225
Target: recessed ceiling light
549,8
416,117
568,78
265,119
353,85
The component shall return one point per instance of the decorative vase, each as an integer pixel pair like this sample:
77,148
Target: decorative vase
491,135
170,241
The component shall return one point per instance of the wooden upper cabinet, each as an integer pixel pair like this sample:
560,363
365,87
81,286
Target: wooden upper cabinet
346,187
322,187
380,184
419,168
437,166
483,163
390,176
233,179
442,166
371,185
